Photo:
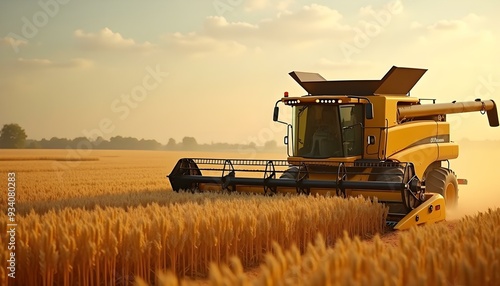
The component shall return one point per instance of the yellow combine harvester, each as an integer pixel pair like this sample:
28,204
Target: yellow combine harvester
351,138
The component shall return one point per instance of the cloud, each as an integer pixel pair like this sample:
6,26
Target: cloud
307,26
390,8
447,25
219,27
457,33
10,41
283,5
108,40
46,63
198,45
253,5
466,23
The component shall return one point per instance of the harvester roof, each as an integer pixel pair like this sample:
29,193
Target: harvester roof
397,81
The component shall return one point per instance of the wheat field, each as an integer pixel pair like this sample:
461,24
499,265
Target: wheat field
109,218
467,253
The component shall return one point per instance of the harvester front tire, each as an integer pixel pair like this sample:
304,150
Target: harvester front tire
444,182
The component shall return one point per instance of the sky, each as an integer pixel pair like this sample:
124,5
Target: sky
213,69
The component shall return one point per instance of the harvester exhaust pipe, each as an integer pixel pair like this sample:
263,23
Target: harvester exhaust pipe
486,106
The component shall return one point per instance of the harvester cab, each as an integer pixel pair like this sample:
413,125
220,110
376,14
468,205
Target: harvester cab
351,138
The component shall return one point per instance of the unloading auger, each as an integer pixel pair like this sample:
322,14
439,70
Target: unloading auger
351,138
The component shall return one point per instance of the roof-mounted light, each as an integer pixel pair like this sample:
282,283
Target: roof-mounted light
292,102
328,101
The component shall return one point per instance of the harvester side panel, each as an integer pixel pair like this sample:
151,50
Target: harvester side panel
375,128
384,117
411,134
424,155
420,142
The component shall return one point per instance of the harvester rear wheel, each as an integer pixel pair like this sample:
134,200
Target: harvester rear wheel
444,182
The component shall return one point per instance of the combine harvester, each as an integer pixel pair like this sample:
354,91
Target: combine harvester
351,138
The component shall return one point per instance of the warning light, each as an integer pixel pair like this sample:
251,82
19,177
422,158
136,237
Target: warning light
438,207
286,93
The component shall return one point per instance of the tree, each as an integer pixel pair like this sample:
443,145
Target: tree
33,144
171,144
58,143
124,143
189,143
12,136
148,144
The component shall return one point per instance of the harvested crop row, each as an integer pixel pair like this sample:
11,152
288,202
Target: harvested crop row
469,254
114,245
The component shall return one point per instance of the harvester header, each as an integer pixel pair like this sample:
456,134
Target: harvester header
351,138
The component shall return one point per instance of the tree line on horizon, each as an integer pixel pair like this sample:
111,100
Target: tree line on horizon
13,136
